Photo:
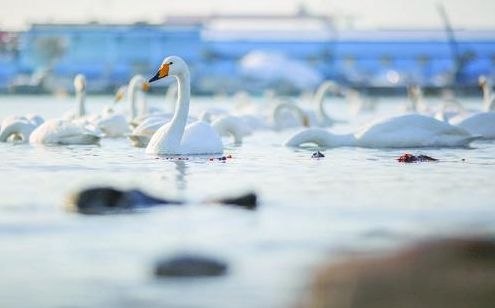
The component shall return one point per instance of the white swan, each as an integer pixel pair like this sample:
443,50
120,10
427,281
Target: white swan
63,132
411,130
319,99
280,117
79,130
227,125
18,129
174,137
480,123
488,96
80,92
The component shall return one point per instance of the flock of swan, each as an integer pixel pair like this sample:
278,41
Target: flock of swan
178,133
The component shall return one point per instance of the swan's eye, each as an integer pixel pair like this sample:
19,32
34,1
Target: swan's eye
171,63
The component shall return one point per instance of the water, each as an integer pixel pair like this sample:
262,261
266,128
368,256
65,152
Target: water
353,200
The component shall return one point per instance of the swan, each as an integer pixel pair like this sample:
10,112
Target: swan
18,129
64,131
80,92
480,123
410,130
281,120
319,98
488,96
174,137
228,125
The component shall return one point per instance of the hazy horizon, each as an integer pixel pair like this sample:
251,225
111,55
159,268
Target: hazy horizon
390,14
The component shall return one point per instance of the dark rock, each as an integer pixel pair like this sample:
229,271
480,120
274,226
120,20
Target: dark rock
317,154
190,266
455,273
248,201
409,158
108,200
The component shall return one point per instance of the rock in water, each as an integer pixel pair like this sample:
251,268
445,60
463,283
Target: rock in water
409,158
108,200
317,154
190,266
248,201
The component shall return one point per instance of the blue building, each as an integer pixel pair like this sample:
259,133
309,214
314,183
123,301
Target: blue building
214,47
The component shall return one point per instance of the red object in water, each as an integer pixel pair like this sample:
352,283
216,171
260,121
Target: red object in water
409,158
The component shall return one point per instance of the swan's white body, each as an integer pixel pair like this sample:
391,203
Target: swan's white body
113,125
18,129
481,123
478,124
287,114
228,125
141,134
411,130
65,132
174,137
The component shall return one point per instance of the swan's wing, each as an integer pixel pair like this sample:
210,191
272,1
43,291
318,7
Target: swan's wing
82,139
482,124
200,138
412,131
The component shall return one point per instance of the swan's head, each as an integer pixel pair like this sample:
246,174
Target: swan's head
138,82
120,94
171,66
482,81
80,83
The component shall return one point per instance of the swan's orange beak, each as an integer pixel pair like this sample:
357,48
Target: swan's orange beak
145,87
162,72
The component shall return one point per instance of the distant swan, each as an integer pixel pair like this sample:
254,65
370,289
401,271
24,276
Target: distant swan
280,119
65,132
411,130
18,129
116,124
319,98
480,123
174,137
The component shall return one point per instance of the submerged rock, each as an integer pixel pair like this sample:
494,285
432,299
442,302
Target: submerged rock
456,273
108,200
248,201
409,158
190,266
317,154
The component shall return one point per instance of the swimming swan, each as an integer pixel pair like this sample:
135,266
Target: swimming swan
63,131
411,130
174,137
18,129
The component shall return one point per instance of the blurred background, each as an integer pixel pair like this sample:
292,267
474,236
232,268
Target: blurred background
289,46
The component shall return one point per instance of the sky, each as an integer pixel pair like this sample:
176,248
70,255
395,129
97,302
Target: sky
469,14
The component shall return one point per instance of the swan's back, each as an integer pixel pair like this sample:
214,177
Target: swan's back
57,131
201,138
478,124
412,130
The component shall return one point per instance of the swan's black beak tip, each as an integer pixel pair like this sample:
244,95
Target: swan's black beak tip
154,78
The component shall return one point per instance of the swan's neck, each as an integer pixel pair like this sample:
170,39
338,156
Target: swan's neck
81,108
322,138
303,118
132,93
179,120
488,99
319,98
20,129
